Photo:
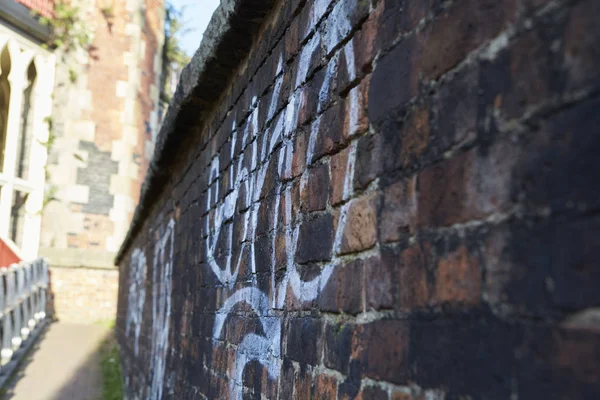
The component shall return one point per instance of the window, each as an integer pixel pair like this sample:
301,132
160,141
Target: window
4,100
25,139
26,79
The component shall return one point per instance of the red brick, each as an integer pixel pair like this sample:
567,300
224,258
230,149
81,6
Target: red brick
467,187
415,135
359,233
379,283
269,387
397,395
363,42
317,190
304,382
330,136
413,287
315,239
458,278
344,290
459,30
395,81
582,57
372,393
299,155
325,387
398,210
339,171
382,349
357,100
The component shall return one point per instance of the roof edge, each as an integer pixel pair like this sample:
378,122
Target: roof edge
225,45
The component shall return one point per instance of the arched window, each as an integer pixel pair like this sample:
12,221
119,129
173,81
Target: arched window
26,128
5,66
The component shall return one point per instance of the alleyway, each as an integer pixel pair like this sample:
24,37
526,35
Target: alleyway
64,365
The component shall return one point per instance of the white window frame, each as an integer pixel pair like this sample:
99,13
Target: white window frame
22,52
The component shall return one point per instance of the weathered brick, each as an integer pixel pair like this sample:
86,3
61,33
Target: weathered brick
373,393
412,265
330,136
301,343
325,387
299,154
387,360
304,382
339,171
317,190
398,210
360,231
456,345
337,346
356,104
467,187
581,55
457,109
397,17
368,161
286,383
380,278
458,278
543,268
315,239
460,29
563,171
345,16
561,361
394,81
465,231
344,290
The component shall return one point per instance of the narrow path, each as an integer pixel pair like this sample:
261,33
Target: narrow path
64,365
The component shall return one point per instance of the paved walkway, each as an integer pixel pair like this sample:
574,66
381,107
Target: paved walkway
64,365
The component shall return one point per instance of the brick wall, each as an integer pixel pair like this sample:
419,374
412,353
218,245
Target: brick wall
104,117
84,295
373,200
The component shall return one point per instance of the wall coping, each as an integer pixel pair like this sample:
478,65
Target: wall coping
226,43
72,258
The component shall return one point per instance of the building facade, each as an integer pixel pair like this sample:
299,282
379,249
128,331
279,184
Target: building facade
94,130
26,84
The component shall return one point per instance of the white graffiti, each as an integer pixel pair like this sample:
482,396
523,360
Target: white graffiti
161,309
246,184
137,295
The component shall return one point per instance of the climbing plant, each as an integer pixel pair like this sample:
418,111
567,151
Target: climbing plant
68,31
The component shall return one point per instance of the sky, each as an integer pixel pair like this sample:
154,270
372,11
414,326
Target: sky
196,16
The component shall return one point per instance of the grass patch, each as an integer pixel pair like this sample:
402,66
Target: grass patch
111,370
107,323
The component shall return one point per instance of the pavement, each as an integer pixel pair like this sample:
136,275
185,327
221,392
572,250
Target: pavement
63,365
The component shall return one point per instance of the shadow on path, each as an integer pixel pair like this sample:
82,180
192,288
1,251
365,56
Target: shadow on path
64,365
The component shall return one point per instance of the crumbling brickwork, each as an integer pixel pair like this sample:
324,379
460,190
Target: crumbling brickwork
376,200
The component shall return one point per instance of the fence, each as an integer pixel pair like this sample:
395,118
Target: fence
23,290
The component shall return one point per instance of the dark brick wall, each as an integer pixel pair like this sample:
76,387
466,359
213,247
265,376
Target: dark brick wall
391,200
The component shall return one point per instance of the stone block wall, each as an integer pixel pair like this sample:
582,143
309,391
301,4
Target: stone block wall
105,120
363,199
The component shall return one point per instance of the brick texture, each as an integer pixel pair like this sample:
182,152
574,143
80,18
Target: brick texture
105,116
83,295
388,200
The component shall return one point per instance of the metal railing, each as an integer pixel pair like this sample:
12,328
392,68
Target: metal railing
23,290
